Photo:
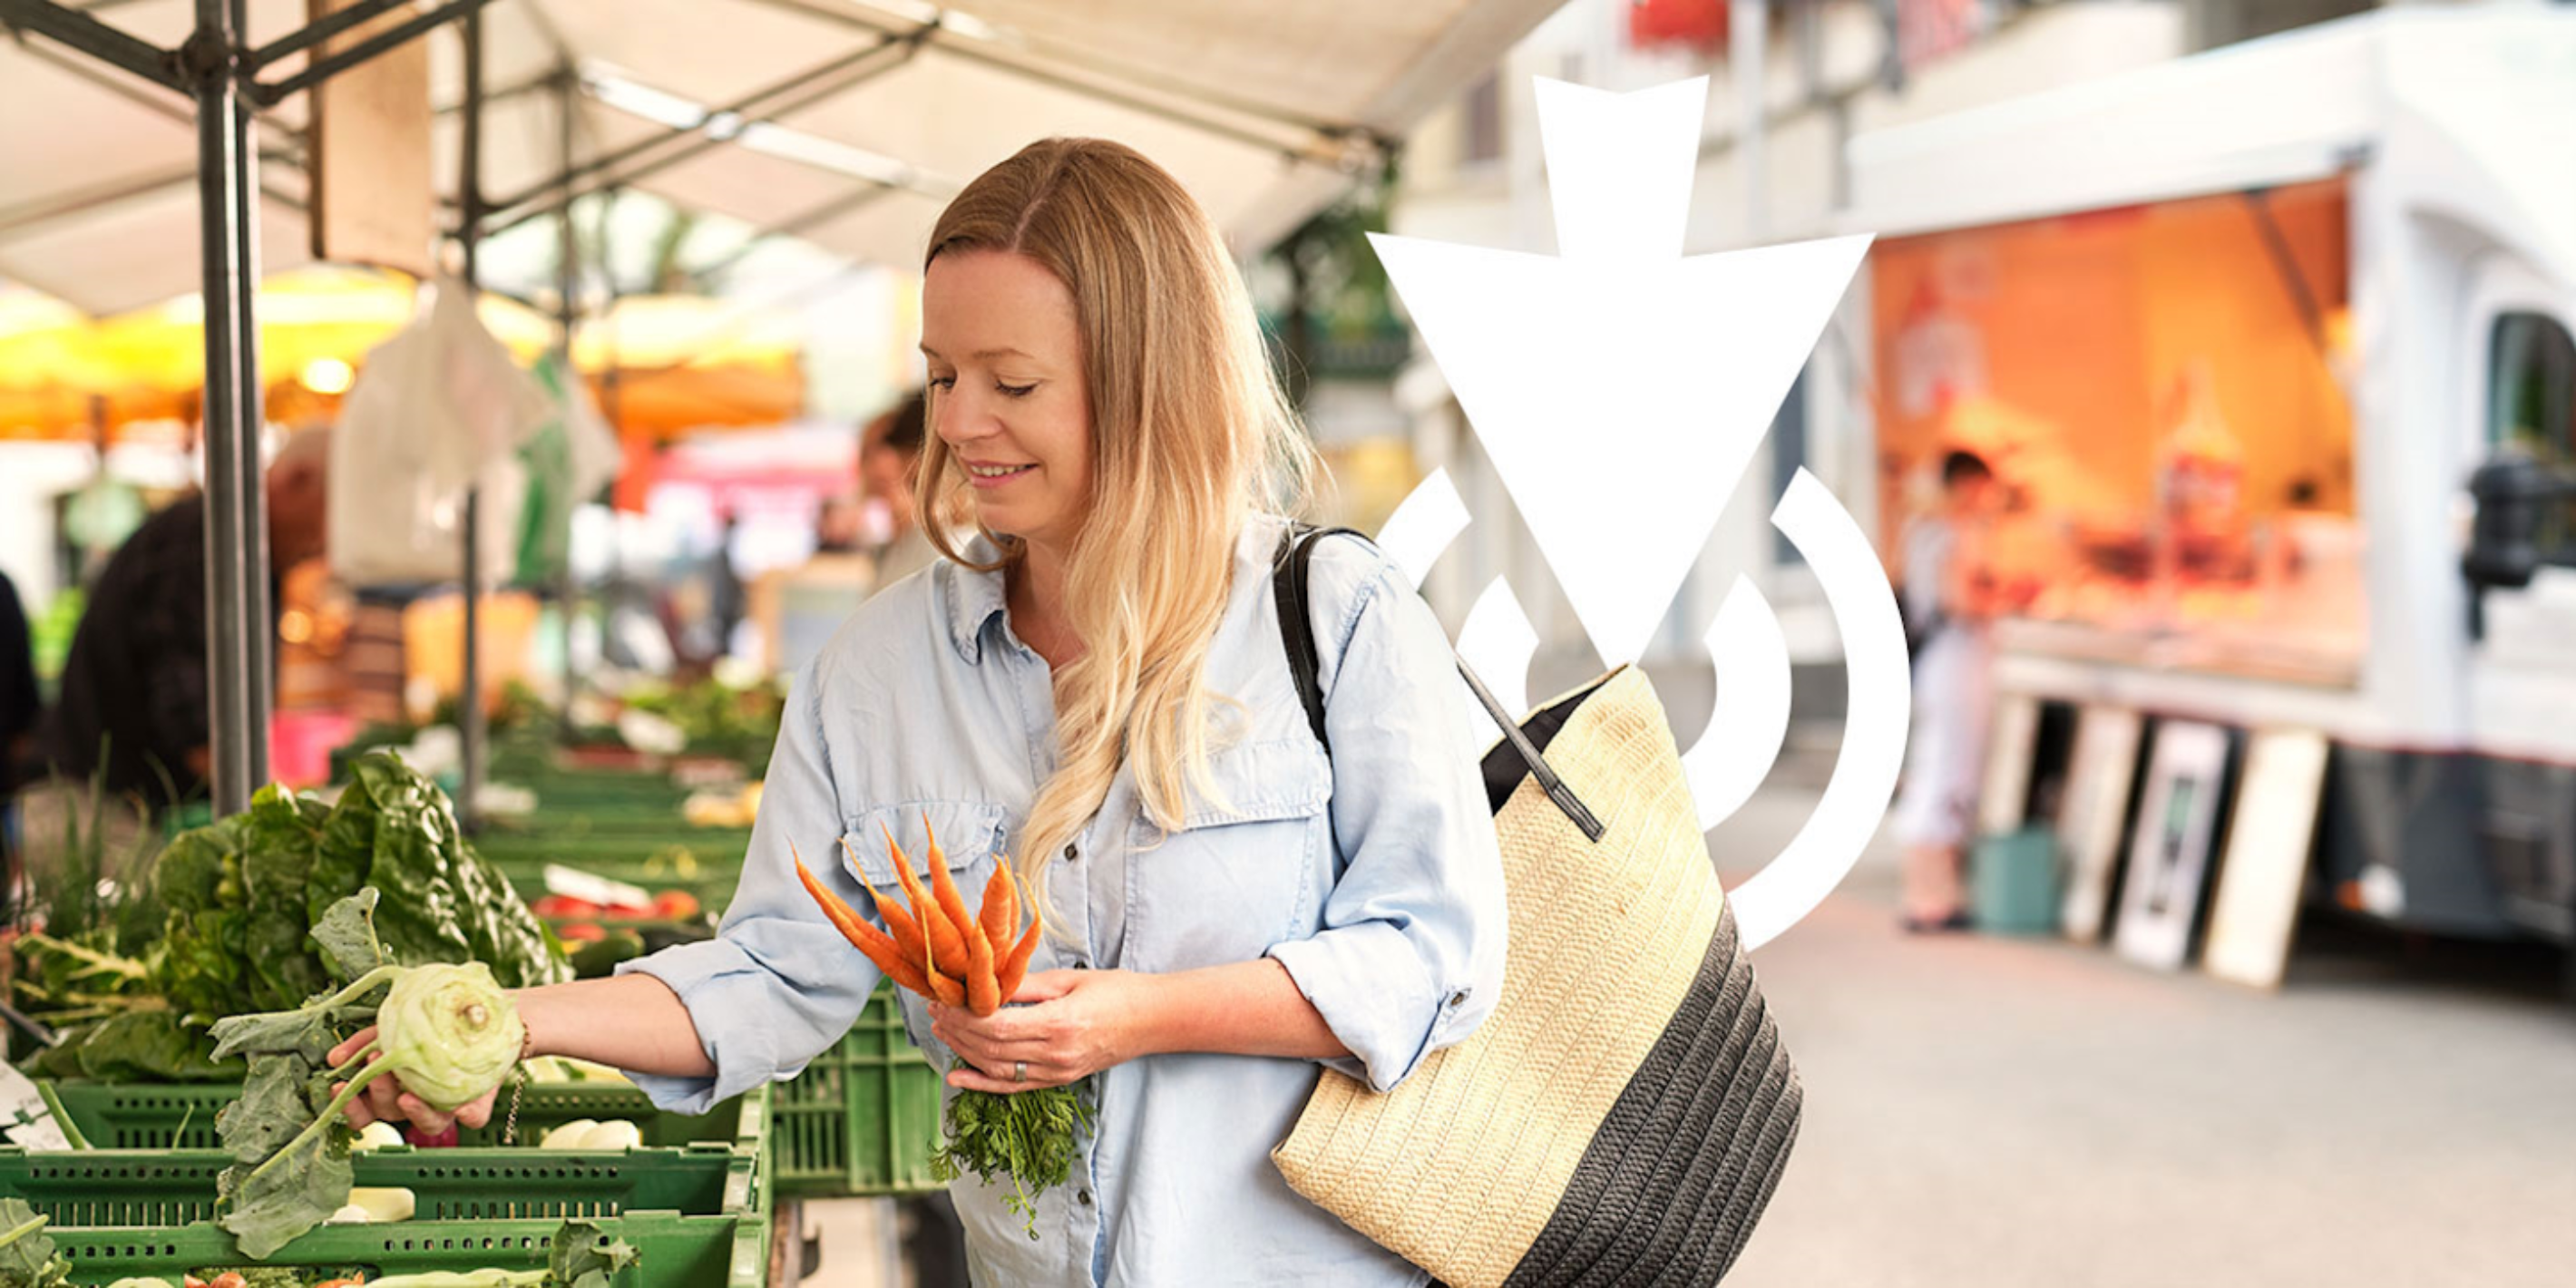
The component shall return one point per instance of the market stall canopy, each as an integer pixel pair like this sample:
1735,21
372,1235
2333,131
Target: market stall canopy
683,362
847,124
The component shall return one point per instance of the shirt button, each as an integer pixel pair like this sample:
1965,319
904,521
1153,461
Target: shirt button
1071,852
1457,1000
1085,1196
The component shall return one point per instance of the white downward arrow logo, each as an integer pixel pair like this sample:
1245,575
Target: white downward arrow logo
1620,389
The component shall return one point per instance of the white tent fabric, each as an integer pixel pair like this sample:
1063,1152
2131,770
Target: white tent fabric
1264,109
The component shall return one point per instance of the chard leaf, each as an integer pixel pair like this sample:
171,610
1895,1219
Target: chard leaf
267,1211
273,1109
27,1258
347,936
585,1257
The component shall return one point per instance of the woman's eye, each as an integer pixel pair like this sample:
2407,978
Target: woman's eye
1015,391
942,382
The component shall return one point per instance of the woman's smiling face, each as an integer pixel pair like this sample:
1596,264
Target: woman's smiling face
1007,391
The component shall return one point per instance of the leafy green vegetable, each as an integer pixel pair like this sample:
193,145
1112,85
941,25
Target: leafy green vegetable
449,1031
248,930
146,1046
585,1257
346,935
393,829
1028,1136
272,1205
27,1257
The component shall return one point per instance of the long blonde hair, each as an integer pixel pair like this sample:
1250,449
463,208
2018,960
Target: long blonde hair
1190,435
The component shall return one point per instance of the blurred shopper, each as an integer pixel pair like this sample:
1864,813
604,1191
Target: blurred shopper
1952,592
1092,687
132,709
889,459
18,712
19,703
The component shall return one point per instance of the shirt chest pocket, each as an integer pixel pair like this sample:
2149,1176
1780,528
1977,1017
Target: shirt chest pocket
969,834
1245,870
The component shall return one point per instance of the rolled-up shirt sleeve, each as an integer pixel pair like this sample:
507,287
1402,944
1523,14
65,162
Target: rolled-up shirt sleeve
1410,959
778,985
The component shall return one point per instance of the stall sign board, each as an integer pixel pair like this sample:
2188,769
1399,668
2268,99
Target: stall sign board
2008,756
2269,840
2088,824
2170,851
373,199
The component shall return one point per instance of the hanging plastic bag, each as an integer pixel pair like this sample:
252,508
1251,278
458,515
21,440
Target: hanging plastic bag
568,460
438,407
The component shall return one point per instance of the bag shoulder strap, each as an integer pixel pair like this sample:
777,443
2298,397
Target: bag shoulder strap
1289,575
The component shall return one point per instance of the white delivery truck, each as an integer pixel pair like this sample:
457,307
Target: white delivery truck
2272,344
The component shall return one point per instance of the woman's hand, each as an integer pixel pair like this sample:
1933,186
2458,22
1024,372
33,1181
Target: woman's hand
384,1100
1077,1023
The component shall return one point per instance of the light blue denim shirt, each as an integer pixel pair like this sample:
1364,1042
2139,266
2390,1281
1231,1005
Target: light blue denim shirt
1373,876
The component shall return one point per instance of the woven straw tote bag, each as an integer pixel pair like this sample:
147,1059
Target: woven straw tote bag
1624,1114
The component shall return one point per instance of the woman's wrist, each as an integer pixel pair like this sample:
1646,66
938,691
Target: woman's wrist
1153,1020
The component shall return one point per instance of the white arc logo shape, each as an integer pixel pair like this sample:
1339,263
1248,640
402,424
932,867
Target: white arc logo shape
1620,390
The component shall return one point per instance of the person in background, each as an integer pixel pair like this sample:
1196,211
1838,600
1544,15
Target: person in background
19,707
132,708
889,452
1952,592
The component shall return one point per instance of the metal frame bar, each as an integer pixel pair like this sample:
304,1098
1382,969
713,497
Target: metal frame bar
843,74
859,17
567,86
1323,130
109,45
794,225
732,114
469,194
236,527
319,70
317,31
17,220
285,143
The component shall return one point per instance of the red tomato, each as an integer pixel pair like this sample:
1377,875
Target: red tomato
581,932
563,907
676,905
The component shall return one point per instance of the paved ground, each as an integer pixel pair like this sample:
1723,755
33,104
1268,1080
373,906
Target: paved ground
1989,1113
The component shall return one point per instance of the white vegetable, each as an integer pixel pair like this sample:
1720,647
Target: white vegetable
614,1135
384,1203
350,1215
570,1135
584,1133
449,1032
378,1135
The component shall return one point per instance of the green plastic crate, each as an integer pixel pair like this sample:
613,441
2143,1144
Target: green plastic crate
122,1116
677,1251
699,1212
863,1117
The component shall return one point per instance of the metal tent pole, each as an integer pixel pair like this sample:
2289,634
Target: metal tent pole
568,310
261,638
236,528
470,195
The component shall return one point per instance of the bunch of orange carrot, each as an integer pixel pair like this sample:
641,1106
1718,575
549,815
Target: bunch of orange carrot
932,946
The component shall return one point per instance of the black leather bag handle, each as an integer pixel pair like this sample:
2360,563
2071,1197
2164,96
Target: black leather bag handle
1288,578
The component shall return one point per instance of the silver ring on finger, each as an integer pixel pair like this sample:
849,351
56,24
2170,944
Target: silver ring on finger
1019,1070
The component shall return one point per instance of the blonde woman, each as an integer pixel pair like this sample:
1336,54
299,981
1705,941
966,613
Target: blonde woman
1092,687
